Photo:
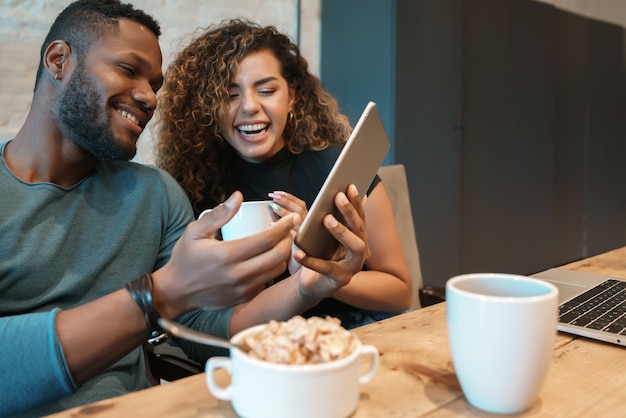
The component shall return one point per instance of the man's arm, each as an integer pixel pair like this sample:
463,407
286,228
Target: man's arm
77,344
97,334
202,273
30,348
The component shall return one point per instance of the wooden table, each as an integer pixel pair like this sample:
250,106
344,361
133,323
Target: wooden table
416,377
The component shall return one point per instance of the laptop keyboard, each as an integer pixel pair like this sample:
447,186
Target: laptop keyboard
602,307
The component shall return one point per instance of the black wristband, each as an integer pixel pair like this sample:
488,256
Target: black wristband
141,291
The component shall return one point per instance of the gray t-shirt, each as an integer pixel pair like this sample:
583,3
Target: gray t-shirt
32,365
64,247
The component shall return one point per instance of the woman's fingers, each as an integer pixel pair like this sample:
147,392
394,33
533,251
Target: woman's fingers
342,269
351,208
285,203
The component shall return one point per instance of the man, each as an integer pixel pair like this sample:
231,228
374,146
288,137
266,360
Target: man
95,248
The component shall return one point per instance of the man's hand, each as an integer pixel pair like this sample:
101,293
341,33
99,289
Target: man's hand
206,273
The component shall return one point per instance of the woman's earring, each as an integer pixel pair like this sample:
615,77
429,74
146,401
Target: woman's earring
290,116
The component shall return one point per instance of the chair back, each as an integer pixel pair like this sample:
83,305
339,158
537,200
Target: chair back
395,182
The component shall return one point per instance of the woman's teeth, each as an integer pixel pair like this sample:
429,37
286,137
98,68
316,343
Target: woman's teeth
253,129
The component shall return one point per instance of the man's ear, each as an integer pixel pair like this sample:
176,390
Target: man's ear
55,58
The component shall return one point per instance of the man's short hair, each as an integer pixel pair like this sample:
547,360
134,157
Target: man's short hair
85,21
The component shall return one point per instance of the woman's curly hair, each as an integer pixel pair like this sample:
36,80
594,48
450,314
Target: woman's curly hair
188,141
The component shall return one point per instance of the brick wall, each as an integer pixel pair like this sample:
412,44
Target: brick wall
24,24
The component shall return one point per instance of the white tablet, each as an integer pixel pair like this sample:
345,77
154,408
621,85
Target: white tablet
357,164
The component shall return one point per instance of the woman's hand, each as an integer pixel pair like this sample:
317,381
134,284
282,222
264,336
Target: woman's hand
287,203
322,278
284,204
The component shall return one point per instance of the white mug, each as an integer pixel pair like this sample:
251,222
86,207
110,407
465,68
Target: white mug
251,218
502,329
262,389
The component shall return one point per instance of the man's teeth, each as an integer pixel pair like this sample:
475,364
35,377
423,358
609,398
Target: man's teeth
253,129
130,117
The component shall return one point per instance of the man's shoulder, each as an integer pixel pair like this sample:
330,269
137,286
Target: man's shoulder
116,165
126,175
146,172
147,182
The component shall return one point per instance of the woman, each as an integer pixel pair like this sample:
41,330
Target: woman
239,110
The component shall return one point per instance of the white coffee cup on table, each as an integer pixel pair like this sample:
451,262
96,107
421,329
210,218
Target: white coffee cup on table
502,329
260,388
251,218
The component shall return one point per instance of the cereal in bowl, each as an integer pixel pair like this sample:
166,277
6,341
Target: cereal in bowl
302,341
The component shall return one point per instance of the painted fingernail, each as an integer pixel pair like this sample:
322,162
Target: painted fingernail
275,206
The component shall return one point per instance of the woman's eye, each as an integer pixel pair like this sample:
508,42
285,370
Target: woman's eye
266,92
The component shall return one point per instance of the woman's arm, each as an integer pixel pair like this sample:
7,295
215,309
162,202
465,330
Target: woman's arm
317,278
387,284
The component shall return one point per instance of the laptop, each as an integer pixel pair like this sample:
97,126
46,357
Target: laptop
357,164
590,305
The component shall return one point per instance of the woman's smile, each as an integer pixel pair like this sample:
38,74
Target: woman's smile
256,114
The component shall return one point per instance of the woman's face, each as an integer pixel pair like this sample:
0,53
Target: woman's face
255,116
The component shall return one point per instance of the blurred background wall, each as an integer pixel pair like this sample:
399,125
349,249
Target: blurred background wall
509,116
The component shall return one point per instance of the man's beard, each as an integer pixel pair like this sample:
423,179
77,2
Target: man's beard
85,123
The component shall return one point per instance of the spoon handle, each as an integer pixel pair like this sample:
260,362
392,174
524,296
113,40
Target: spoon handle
186,333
